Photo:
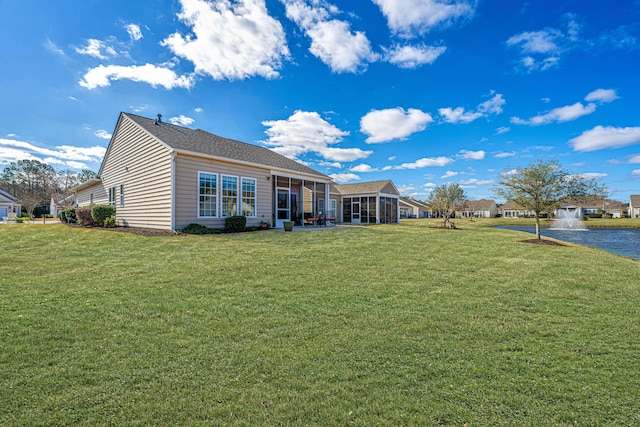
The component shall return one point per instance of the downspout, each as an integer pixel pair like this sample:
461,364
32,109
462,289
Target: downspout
173,190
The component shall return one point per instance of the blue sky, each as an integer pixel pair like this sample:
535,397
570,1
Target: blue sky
422,92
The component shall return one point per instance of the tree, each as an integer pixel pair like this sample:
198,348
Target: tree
86,175
543,186
446,199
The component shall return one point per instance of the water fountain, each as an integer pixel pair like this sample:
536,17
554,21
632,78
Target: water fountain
568,218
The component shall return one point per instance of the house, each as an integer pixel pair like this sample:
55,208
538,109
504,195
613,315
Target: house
164,176
513,210
411,208
634,206
479,209
374,202
10,207
55,207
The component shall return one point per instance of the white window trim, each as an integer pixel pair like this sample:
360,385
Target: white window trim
112,196
255,197
238,194
217,198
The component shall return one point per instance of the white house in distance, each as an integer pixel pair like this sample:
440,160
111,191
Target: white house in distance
634,206
411,208
9,205
479,209
163,176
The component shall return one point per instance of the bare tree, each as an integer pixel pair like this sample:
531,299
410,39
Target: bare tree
446,199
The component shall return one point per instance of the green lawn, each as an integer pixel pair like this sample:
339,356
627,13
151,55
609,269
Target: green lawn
383,325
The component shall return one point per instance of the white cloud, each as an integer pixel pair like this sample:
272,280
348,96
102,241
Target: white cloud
198,110
53,48
411,17
332,40
393,123
449,174
502,129
504,154
592,175
601,137
12,150
459,115
102,76
134,31
363,168
230,40
470,155
181,120
602,95
305,132
634,159
97,49
344,177
560,115
413,56
102,134
330,164
475,182
423,163
635,172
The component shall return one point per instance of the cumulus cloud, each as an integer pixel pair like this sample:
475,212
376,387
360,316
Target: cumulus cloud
470,155
332,40
425,162
307,132
102,76
474,182
134,32
602,95
12,150
97,49
634,159
344,177
102,134
393,123
181,120
459,115
449,174
363,167
230,40
541,50
560,114
601,137
413,17
413,56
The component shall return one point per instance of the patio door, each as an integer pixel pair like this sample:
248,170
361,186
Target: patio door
283,206
355,211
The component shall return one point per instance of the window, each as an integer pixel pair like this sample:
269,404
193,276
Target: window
229,201
121,195
249,197
112,196
90,198
208,195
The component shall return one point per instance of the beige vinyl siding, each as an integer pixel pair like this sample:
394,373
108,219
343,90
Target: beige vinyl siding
143,165
100,197
186,189
389,189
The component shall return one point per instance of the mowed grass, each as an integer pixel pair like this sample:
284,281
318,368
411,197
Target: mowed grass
402,324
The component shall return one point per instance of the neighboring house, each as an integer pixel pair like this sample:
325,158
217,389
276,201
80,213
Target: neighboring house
634,206
513,210
9,205
55,207
411,208
164,176
374,202
479,209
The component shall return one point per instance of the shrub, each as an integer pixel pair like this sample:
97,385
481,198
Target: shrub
69,216
110,223
235,223
101,212
84,217
198,229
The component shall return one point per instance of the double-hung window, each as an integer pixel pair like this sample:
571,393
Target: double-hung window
112,196
208,195
229,199
249,197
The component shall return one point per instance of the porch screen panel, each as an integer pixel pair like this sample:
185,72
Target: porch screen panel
229,195
346,209
364,210
372,210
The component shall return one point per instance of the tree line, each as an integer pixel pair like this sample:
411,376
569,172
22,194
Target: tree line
34,183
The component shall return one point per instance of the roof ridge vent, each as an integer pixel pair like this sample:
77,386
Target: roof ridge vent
159,119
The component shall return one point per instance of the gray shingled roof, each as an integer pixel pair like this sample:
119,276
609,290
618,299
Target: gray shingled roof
9,197
199,141
362,187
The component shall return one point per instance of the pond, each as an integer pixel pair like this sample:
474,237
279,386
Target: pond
620,241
